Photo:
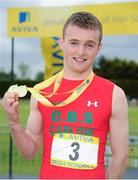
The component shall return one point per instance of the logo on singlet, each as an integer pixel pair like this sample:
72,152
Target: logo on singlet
90,103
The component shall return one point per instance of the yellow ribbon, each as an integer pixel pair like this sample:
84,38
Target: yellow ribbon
56,79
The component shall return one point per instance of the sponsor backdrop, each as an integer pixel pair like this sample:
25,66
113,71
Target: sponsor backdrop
118,18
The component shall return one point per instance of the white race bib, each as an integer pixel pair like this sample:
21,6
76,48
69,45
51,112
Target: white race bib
74,151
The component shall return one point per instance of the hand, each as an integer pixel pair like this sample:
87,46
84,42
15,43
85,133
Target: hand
10,104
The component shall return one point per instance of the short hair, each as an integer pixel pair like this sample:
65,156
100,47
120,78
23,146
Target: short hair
84,20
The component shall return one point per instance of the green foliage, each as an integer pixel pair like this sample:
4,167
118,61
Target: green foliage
5,76
39,77
116,68
24,71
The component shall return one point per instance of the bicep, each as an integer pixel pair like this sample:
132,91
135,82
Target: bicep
119,123
34,123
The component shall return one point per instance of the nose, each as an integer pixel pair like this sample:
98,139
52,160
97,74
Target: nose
81,50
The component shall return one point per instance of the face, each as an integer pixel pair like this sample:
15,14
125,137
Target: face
80,47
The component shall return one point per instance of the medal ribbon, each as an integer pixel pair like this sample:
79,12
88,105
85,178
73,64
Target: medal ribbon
41,96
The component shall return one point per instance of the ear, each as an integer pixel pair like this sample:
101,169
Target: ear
61,43
99,48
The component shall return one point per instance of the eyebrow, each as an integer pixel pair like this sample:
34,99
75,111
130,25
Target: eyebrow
73,40
89,41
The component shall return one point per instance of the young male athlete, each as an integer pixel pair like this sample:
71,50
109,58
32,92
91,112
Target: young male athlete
72,113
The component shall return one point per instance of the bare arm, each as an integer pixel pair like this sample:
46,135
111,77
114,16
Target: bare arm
118,135
27,141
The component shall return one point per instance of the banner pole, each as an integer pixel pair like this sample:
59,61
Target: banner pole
11,143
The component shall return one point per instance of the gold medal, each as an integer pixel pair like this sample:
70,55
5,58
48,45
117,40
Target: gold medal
21,90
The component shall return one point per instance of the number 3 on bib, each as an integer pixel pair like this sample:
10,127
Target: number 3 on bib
74,151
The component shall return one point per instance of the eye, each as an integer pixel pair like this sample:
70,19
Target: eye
74,43
90,45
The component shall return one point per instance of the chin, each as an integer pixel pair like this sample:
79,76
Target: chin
80,71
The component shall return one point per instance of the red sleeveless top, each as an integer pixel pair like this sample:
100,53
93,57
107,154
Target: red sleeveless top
74,136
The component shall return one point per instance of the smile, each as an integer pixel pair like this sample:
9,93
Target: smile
79,59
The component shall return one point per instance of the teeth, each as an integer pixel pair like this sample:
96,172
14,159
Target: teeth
80,59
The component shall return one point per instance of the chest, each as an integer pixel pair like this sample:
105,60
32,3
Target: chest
91,110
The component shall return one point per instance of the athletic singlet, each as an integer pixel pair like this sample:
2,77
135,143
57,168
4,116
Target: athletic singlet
74,136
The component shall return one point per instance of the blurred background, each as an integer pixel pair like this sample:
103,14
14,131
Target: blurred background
23,61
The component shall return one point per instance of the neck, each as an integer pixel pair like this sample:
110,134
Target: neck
75,75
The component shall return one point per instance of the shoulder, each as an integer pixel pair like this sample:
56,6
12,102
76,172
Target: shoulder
118,94
119,102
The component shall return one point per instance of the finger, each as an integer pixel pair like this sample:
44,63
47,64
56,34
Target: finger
13,109
8,102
